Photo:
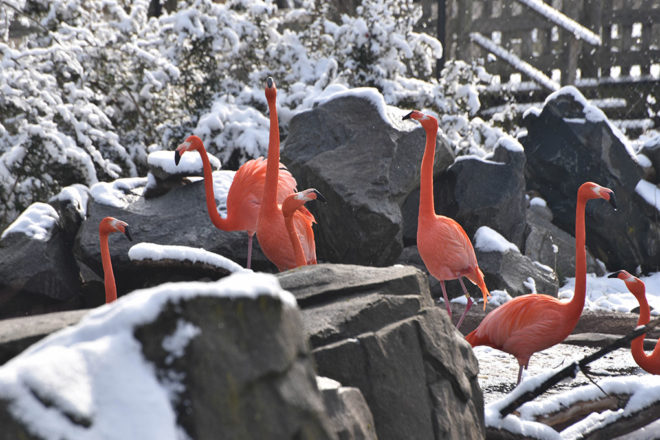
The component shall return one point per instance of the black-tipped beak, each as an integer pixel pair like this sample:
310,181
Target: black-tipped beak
269,82
177,157
614,274
613,201
320,197
127,234
407,116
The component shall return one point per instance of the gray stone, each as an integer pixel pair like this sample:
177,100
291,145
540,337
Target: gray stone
513,272
565,147
651,149
543,237
349,413
365,168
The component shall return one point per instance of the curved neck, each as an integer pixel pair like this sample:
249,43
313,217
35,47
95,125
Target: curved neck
426,203
211,207
649,363
273,160
108,275
295,241
576,304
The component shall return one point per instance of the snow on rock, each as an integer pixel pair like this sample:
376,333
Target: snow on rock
191,162
538,201
156,252
488,240
325,383
96,372
649,192
77,195
115,193
36,222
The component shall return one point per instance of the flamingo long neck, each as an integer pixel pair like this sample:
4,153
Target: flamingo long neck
108,275
273,161
295,241
219,222
426,203
649,363
576,304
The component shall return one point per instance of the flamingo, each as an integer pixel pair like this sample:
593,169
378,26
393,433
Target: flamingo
292,203
245,193
442,243
534,322
649,363
107,226
271,230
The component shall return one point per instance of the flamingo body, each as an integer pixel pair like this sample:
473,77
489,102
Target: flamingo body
649,363
534,322
290,206
271,228
442,243
245,192
108,226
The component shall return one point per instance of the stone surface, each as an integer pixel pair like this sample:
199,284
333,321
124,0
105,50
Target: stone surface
651,149
178,217
543,237
365,168
37,276
349,414
567,144
386,338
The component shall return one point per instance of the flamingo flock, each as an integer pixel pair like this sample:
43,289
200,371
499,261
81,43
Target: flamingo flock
263,200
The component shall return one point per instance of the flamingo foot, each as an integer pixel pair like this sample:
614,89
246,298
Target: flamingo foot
467,307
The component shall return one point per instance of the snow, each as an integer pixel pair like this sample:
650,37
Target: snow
36,222
649,192
156,252
95,371
118,192
488,240
538,201
562,20
515,61
325,383
191,162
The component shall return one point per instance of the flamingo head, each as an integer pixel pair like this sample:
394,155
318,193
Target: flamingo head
110,224
296,200
594,191
634,284
427,121
271,90
192,143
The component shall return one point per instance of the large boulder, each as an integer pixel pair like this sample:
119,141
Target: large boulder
381,333
366,167
178,217
37,270
155,365
570,142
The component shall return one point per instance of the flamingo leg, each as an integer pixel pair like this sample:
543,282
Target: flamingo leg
467,307
249,252
444,294
520,372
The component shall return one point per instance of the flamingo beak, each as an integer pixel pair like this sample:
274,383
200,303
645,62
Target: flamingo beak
269,82
319,196
408,116
614,274
127,233
612,201
177,157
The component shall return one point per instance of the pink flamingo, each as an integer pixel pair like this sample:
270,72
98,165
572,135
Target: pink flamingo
271,230
107,226
442,243
649,363
292,203
534,322
245,193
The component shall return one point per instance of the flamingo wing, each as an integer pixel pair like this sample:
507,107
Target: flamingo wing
246,192
302,221
446,249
